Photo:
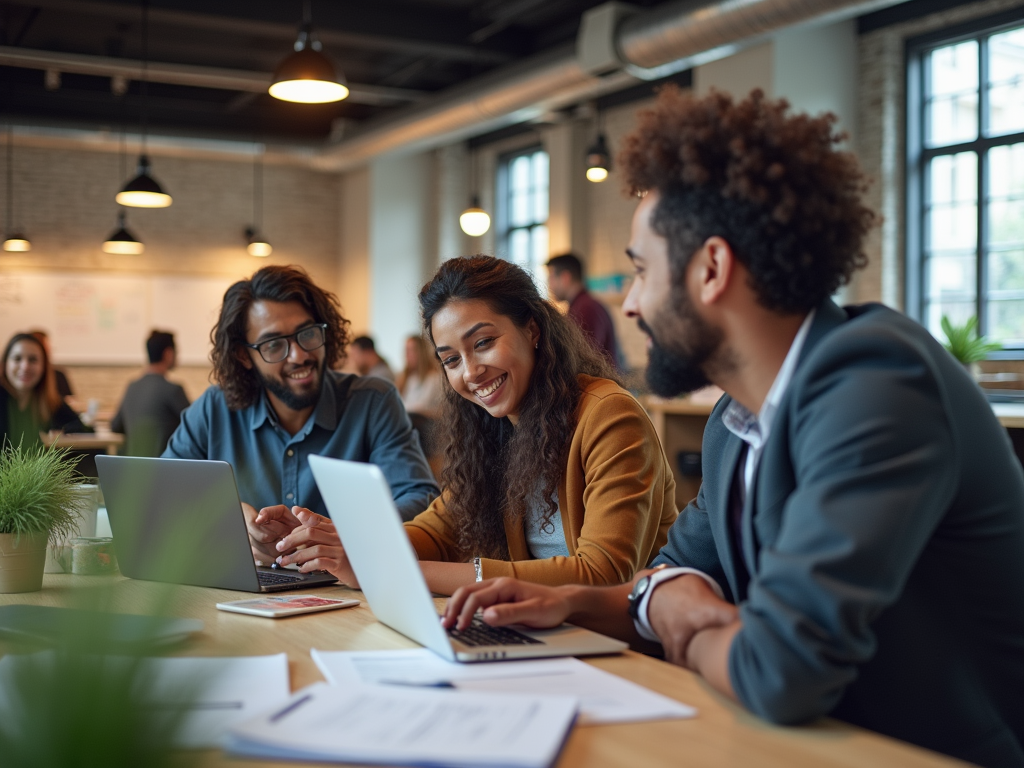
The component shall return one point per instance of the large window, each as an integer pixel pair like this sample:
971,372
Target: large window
523,209
965,214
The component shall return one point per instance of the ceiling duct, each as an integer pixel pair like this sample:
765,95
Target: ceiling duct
647,45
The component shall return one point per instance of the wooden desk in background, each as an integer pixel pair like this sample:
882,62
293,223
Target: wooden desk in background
721,735
680,425
86,442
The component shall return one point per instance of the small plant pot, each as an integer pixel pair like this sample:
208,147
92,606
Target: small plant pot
21,562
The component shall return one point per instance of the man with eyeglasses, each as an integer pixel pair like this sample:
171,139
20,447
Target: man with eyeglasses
276,401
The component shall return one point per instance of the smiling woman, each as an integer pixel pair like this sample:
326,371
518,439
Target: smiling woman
553,473
29,400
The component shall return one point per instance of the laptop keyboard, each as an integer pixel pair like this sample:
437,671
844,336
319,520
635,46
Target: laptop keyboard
270,578
479,634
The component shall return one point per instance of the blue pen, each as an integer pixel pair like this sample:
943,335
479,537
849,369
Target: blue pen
290,708
431,684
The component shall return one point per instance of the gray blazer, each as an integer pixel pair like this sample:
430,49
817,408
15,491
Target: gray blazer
881,577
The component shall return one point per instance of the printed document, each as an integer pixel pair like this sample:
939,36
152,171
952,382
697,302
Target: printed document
603,697
409,726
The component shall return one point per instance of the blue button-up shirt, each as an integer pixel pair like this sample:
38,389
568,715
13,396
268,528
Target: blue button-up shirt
357,418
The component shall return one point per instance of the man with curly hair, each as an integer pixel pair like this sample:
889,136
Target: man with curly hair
277,401
857,545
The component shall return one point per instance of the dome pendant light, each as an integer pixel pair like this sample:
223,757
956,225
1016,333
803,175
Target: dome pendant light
307,76
599,161
122,241
475,221
14,242
256,244
144,191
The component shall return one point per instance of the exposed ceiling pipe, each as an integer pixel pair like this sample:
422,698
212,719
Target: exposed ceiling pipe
182,74
635,45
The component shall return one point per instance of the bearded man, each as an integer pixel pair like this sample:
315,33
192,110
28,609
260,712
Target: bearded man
277,401
857,545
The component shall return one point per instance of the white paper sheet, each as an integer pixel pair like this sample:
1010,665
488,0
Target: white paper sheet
233,689
409,726
603,697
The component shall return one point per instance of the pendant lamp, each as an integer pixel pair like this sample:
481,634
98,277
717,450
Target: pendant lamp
256,244
599,160
122,241
144,191
307,75
475,221
14,241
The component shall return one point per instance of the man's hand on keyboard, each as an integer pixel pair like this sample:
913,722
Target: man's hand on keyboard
507,601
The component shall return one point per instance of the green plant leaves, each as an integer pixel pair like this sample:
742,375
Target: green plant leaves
963,342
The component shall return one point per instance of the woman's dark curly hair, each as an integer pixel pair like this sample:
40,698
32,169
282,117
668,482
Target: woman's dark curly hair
772,185
493,472
241,385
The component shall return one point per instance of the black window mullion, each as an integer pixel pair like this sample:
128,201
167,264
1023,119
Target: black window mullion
981,300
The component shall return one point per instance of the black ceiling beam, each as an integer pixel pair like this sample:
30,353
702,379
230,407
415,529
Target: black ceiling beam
273,26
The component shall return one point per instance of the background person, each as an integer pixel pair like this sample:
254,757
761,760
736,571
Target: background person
857,545
363,354
552,473
29,401
61,378
566,283
419,383
151,408
276,402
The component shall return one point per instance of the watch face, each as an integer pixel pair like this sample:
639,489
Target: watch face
636,595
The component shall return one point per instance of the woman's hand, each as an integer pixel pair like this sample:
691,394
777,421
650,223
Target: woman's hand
315,546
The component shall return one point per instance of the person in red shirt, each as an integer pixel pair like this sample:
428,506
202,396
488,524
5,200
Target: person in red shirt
565,283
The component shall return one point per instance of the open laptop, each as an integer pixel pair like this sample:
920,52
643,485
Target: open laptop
359,501
181,521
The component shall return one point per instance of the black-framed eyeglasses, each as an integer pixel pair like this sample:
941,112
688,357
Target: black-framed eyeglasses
276,349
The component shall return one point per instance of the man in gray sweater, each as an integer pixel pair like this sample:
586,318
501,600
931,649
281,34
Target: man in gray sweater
151,408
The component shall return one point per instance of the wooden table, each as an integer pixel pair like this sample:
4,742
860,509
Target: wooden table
722,734
680,424
94,442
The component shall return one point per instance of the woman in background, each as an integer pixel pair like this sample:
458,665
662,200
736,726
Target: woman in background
420,383
553,473
29,401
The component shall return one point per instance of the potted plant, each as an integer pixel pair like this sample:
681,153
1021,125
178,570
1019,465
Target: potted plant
37,503
965,345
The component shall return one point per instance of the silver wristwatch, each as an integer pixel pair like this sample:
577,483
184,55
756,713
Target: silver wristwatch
478,568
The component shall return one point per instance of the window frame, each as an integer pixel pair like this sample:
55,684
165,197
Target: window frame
503,215
918,156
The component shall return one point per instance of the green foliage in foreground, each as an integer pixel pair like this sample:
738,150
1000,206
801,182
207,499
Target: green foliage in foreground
37,493
964,343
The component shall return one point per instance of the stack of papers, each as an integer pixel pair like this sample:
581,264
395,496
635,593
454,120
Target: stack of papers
603,697
409,726
216,693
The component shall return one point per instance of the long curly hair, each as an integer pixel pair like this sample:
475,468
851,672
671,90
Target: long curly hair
241,385
45,398
773,185
494,472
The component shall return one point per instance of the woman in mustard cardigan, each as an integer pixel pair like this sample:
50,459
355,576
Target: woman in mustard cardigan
553,473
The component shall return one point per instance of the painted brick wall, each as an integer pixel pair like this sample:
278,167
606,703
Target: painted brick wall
881,138
65,204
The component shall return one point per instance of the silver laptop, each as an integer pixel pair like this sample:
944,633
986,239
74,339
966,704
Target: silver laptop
359,501
180,521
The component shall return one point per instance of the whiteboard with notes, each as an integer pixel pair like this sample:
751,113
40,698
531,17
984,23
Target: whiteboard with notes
104,319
